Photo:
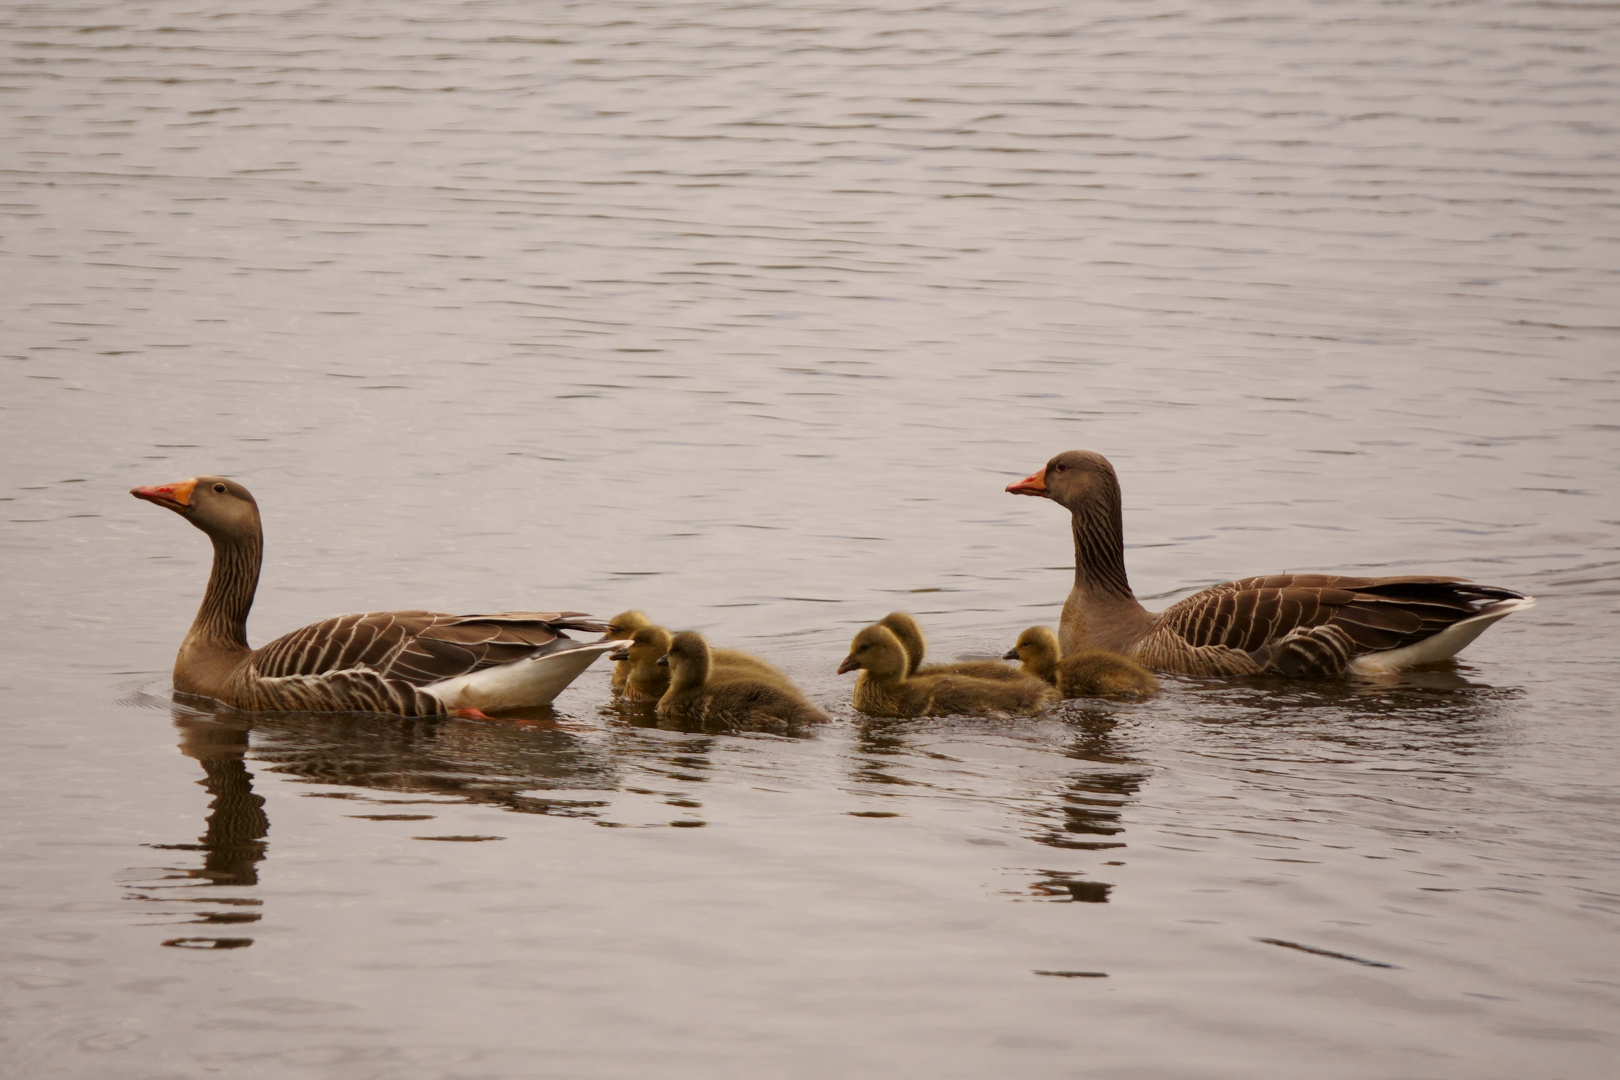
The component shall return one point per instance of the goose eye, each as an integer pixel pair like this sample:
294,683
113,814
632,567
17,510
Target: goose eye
220,488
1060,466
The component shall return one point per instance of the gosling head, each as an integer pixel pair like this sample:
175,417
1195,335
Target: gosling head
1037,650
625,624
911,638
877,650
687,657
647,646
1072,479
217,506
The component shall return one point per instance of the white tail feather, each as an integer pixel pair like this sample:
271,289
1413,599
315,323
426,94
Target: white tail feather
1442,646
534,680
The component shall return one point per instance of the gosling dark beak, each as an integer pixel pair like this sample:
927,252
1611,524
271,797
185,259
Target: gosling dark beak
663,661
1010,654
849,664
622,654
1033,484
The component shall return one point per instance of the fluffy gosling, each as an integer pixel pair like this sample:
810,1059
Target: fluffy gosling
647,679
702,694
911,638
883,687
1088,673
622,627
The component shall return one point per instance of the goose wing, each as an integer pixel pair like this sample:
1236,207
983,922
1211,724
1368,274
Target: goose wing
416,647
1313,624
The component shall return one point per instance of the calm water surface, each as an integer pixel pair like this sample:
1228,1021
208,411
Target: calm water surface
745,314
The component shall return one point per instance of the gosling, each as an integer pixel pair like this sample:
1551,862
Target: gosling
703,694
884,689
911,639
1088,673
621,627
647,679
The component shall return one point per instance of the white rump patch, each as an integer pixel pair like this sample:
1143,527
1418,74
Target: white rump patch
1442,646
534,680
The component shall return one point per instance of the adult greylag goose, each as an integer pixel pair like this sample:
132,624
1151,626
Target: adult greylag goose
700,693
1087,673
911,637
884,688
410,663
1288,624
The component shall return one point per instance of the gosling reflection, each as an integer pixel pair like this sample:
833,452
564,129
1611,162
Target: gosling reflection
1086,811
880,747
1087,807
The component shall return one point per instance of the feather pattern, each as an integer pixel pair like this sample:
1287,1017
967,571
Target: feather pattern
1289,624
384,661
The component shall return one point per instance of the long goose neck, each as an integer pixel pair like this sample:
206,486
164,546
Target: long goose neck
222,618
1099,549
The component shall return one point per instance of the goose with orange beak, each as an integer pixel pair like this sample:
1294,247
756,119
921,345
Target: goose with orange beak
1289,624
410,663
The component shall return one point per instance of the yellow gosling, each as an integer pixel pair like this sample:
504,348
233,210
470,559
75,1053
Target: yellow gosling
622,627
702,695
1100,673
911,638
646,680
883,687
1088,673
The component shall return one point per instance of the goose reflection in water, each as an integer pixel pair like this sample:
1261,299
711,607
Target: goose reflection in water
234,830
1440,713
440,760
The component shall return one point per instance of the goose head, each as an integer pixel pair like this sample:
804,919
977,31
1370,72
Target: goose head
877,650
217,506
1037,650
1072,479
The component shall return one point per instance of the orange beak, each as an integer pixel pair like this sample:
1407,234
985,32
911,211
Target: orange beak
176,497
1033,484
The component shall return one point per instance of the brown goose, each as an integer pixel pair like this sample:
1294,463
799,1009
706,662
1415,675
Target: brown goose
411,663
1288,624
1087,673
700,693
884,689
911,637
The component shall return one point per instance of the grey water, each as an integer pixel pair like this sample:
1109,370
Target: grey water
744,314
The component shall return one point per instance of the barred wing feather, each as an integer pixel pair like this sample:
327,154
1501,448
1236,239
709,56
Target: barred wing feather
415,647
1312,624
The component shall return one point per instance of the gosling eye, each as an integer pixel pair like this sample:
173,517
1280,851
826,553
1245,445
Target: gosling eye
220,488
